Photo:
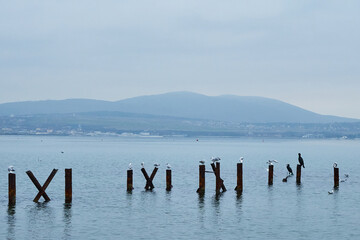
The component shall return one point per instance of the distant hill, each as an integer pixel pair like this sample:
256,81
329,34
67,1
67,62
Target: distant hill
183,105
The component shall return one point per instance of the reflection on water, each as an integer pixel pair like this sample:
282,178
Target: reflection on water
67,220
11,222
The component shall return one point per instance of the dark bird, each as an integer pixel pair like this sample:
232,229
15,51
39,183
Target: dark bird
289,169
301,160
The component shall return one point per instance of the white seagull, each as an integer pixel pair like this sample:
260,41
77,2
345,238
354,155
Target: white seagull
168,166
156,165
202,162
270,162
331,192
215,159
335,165
130,166
142,165
241,160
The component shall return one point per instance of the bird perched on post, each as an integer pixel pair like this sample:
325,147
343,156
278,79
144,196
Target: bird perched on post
11,169
202,162
142,165
241,159
130,166
168,166
301,160
215,159
156,165
335,165
290,172
270,162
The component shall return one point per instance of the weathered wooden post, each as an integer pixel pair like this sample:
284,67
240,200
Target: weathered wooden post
168,180
336,177
12,188
201,188
218,179
68,185
129,180
298,174
271,174
239,185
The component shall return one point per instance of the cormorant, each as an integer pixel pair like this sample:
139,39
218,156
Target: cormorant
289,169
301,160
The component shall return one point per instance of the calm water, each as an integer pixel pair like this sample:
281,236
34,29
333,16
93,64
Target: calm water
102,209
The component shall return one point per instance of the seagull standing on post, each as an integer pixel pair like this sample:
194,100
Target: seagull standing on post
301,160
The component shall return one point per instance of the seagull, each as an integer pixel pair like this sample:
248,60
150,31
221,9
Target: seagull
11,169
215,159
241,159
168,166
142,165
156,165
270,162
331,192
202,162
290,172
301,160
130,166
335,165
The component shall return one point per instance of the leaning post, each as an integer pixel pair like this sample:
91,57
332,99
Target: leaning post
218,179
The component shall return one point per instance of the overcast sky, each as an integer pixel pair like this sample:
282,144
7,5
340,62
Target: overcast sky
306,53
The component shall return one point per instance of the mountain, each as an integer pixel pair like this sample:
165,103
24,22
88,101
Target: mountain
226,108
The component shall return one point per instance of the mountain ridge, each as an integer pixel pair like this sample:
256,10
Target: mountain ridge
230,108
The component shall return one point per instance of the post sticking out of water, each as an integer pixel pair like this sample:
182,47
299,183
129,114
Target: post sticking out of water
271,174
201,188
168,180
239,185
336,177
130,180
298,174
12,189
68,185
218,179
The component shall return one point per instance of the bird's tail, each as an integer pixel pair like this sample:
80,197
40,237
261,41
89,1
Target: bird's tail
303,165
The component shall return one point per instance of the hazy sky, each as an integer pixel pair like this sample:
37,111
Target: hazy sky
306,53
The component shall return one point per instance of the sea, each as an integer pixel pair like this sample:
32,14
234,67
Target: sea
101,207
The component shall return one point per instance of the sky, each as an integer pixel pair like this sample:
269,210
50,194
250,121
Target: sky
305,53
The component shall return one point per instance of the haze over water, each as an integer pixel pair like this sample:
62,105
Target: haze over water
102,208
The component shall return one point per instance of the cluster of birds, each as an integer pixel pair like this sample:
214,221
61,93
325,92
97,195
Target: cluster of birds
156,165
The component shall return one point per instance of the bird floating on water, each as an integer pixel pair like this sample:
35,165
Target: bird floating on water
130,166
335,165
142,165
168,166
11,169
156,165
202,162
241,159
331,192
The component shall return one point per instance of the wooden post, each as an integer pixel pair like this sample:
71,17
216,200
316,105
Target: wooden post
130,180
298,174
68,185
239,185
218,179
201,188
336,177
168,180
12,189
271,174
